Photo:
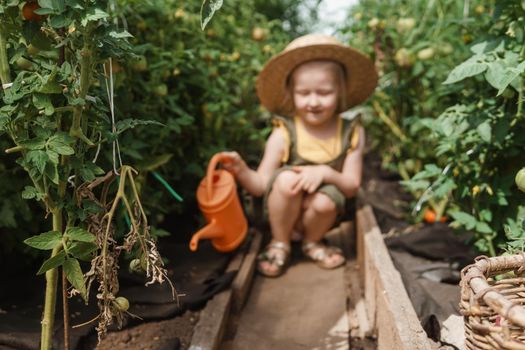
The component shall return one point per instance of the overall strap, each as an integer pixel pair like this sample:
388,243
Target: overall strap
350,140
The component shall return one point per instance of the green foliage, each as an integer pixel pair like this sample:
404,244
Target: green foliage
199,85
469,114
414,45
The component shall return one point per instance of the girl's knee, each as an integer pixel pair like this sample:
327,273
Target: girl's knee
284,182
323,204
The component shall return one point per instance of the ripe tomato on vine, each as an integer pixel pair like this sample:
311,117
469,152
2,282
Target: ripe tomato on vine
28,11
430,216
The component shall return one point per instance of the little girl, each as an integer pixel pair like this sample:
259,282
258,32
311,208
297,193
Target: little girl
313,158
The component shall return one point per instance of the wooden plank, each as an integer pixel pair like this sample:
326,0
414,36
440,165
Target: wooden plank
212,323
243,281
213,319
359,324
389,307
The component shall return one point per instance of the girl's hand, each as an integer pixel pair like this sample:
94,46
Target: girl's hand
232,162
310,177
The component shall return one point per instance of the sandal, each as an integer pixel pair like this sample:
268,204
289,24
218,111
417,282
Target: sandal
276,254
323,255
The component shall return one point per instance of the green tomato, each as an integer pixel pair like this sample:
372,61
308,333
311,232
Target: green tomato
161,90
140,65
425,54
410,165
121,304
404,58
135,265
405,24
508,93
24,63
520,179
32,50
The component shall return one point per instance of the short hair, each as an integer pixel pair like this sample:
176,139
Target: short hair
340,75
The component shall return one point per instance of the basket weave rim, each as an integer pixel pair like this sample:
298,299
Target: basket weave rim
475,288
361,76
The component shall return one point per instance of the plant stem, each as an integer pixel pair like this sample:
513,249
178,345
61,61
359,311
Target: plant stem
48,319
396,130
85,77
519,112
5,73
65,306
492,251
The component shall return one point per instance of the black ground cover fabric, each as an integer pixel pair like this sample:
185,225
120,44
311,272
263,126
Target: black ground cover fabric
429,261
197,277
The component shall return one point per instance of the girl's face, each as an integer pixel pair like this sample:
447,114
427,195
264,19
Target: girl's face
315,92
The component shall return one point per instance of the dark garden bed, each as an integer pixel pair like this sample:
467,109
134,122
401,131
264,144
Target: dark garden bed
159,321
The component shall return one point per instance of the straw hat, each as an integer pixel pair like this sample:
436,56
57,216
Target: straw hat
361,76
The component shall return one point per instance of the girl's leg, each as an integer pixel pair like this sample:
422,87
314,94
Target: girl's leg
320,213
284,206
283,210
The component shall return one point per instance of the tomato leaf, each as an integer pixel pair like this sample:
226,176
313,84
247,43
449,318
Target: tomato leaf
485,131
51,171
119,35
208,9
60,143
93,14
35,143
483,227
31,192
466,220
53,262
82,250
59,21
129,123
74,276
79,234
45,241
38,158
509,75
473,66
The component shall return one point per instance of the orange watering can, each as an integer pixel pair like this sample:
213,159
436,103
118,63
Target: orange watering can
218,201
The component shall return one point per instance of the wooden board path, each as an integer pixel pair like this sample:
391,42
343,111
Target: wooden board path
311,308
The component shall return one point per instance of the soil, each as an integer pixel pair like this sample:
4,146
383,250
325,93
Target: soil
165,324
170,334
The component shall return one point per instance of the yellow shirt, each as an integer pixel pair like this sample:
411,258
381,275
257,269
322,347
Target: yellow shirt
314,149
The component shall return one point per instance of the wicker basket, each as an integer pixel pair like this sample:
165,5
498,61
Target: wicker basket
493,308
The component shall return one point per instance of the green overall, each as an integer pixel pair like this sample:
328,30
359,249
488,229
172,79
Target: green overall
294,159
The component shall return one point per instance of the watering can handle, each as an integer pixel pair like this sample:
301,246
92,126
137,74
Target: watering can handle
215,160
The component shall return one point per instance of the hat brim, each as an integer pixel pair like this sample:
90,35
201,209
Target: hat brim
361,76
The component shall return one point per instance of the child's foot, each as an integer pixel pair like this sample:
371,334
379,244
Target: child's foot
327,257
273,260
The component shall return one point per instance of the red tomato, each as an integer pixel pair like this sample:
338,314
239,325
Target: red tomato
430,216
28,11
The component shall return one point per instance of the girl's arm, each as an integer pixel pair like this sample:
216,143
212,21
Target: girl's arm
255,182
348,180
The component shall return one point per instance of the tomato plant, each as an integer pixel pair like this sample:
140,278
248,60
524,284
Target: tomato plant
205,98
479,139
414,45
55,121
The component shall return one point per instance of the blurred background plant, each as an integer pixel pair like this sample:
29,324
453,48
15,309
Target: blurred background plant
198,84
447,116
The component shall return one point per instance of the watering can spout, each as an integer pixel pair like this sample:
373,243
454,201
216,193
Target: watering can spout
207,232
